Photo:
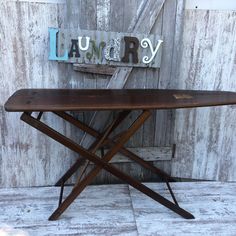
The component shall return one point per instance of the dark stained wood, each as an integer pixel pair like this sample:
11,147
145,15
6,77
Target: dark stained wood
111,99
124,151
95,69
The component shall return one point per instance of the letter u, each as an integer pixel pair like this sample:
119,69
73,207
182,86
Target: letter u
86,45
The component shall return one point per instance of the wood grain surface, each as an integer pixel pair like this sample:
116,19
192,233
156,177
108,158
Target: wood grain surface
114,99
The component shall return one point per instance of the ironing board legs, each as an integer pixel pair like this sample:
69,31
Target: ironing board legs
103,163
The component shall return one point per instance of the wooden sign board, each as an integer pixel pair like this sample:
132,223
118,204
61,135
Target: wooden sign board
105,48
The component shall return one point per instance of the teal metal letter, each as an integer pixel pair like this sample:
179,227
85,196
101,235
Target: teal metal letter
53,46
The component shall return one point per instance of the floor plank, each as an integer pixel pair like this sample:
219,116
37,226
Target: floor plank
100,210
212,203
120,210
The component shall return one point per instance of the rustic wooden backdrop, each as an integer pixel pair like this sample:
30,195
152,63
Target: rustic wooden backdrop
206,137
205,140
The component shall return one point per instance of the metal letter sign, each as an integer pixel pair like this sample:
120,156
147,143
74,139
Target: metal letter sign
105,48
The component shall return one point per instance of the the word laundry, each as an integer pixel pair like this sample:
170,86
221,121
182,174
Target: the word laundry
98,47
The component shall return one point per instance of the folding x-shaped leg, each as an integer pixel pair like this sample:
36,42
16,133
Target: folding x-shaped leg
103,163
108,142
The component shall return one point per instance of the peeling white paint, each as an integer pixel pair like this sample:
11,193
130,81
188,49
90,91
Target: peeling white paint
103,14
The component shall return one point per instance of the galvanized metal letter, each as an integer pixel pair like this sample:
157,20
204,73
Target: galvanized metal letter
112,50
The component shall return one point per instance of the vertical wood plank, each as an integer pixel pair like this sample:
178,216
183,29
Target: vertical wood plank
206,137
164,124
152,81
103,24
74,80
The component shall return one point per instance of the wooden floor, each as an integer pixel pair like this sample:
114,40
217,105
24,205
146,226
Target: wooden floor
120,210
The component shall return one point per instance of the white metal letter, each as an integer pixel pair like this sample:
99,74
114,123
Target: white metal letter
144,44
86,45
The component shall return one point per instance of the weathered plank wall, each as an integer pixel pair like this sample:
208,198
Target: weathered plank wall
206,144
205,138
28,158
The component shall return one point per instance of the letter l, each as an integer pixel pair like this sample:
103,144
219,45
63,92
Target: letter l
53,46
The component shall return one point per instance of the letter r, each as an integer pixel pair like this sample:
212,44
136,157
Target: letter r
131,50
